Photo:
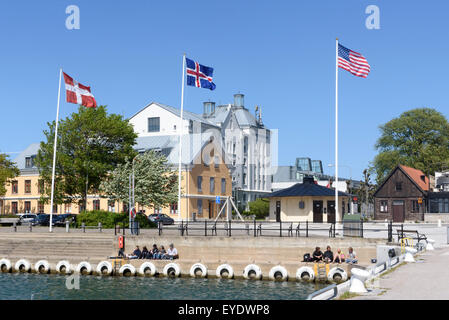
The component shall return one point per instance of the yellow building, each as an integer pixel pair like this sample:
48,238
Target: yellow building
205,175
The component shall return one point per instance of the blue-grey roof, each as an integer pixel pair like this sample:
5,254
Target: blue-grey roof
187,115
245,118
169,146
31,150
307,189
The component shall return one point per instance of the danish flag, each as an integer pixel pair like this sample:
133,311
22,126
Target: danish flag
78,93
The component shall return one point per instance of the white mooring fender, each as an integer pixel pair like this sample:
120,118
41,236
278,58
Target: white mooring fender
223,269
337,274
198,267
278,273
5,265
104,268
127,267
305,274
171,268
252,269
145,267
42,266
84,266
63,264
23,264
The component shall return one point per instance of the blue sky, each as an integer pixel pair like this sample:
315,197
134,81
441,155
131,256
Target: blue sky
280,54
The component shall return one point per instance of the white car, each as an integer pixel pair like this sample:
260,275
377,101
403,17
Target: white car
26,218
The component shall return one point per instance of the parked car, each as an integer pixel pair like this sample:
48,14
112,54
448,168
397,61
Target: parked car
27,218
60,219
163,218
41,219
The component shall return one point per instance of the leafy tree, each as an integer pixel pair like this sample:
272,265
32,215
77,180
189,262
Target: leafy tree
91,143
419,138
8,171
365,193
260,208
155,183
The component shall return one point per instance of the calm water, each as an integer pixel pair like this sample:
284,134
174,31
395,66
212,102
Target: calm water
53,287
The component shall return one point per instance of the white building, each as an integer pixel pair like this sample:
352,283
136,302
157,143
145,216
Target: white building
244,137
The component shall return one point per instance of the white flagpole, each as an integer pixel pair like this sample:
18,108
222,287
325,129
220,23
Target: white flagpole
55,143
337,214
180,136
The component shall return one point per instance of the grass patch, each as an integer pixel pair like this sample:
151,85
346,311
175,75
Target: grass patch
347,295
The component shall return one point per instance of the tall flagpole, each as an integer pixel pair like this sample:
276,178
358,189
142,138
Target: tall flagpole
55,143
337,214
180,135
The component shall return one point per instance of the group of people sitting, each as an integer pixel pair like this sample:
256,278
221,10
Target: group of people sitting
155,253
329,257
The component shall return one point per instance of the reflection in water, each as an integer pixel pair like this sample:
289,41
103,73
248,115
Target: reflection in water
53,287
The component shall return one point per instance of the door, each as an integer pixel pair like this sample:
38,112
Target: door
211,209
278,211
398,211
331,211
317,211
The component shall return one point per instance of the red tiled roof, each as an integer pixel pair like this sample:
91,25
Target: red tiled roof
416,175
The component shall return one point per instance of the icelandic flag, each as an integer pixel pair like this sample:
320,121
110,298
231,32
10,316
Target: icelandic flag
198,75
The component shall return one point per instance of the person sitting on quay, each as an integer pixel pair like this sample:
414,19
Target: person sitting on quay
352,258
136,254
163,253
155,252
145,253
328,255
317,255
339,257
172,253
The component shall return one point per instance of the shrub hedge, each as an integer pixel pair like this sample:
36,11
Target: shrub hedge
110,219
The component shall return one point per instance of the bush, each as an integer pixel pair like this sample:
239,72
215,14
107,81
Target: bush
260,208
110,219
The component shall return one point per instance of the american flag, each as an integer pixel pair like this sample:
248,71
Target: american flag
353,62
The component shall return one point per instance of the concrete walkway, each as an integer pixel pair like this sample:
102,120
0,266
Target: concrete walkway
426,279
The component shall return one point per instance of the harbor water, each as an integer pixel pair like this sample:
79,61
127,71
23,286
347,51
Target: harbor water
17,286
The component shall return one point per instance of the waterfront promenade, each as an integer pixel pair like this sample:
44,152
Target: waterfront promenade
426,279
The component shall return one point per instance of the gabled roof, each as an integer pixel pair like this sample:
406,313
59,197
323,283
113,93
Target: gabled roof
413,174
307,189
186,115
416,175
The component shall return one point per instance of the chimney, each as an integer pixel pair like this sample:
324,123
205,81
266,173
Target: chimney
423,178
208,108
239,100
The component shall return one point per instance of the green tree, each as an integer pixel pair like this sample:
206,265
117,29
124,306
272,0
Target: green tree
419,138
91,143
260,208
155,183
8,171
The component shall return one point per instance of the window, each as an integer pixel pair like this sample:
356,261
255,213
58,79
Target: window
96,204
415,206
212,185
199,181
28,162
81,206
40,207
200,206
398,186
68,208
301,204
383,206
154,124
15,187
111,205
27,186
223,186
174,208
40,186
14,207
55,208
27,206
157,210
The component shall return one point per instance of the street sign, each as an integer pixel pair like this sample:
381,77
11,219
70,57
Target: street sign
419,200
217,199
133,213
